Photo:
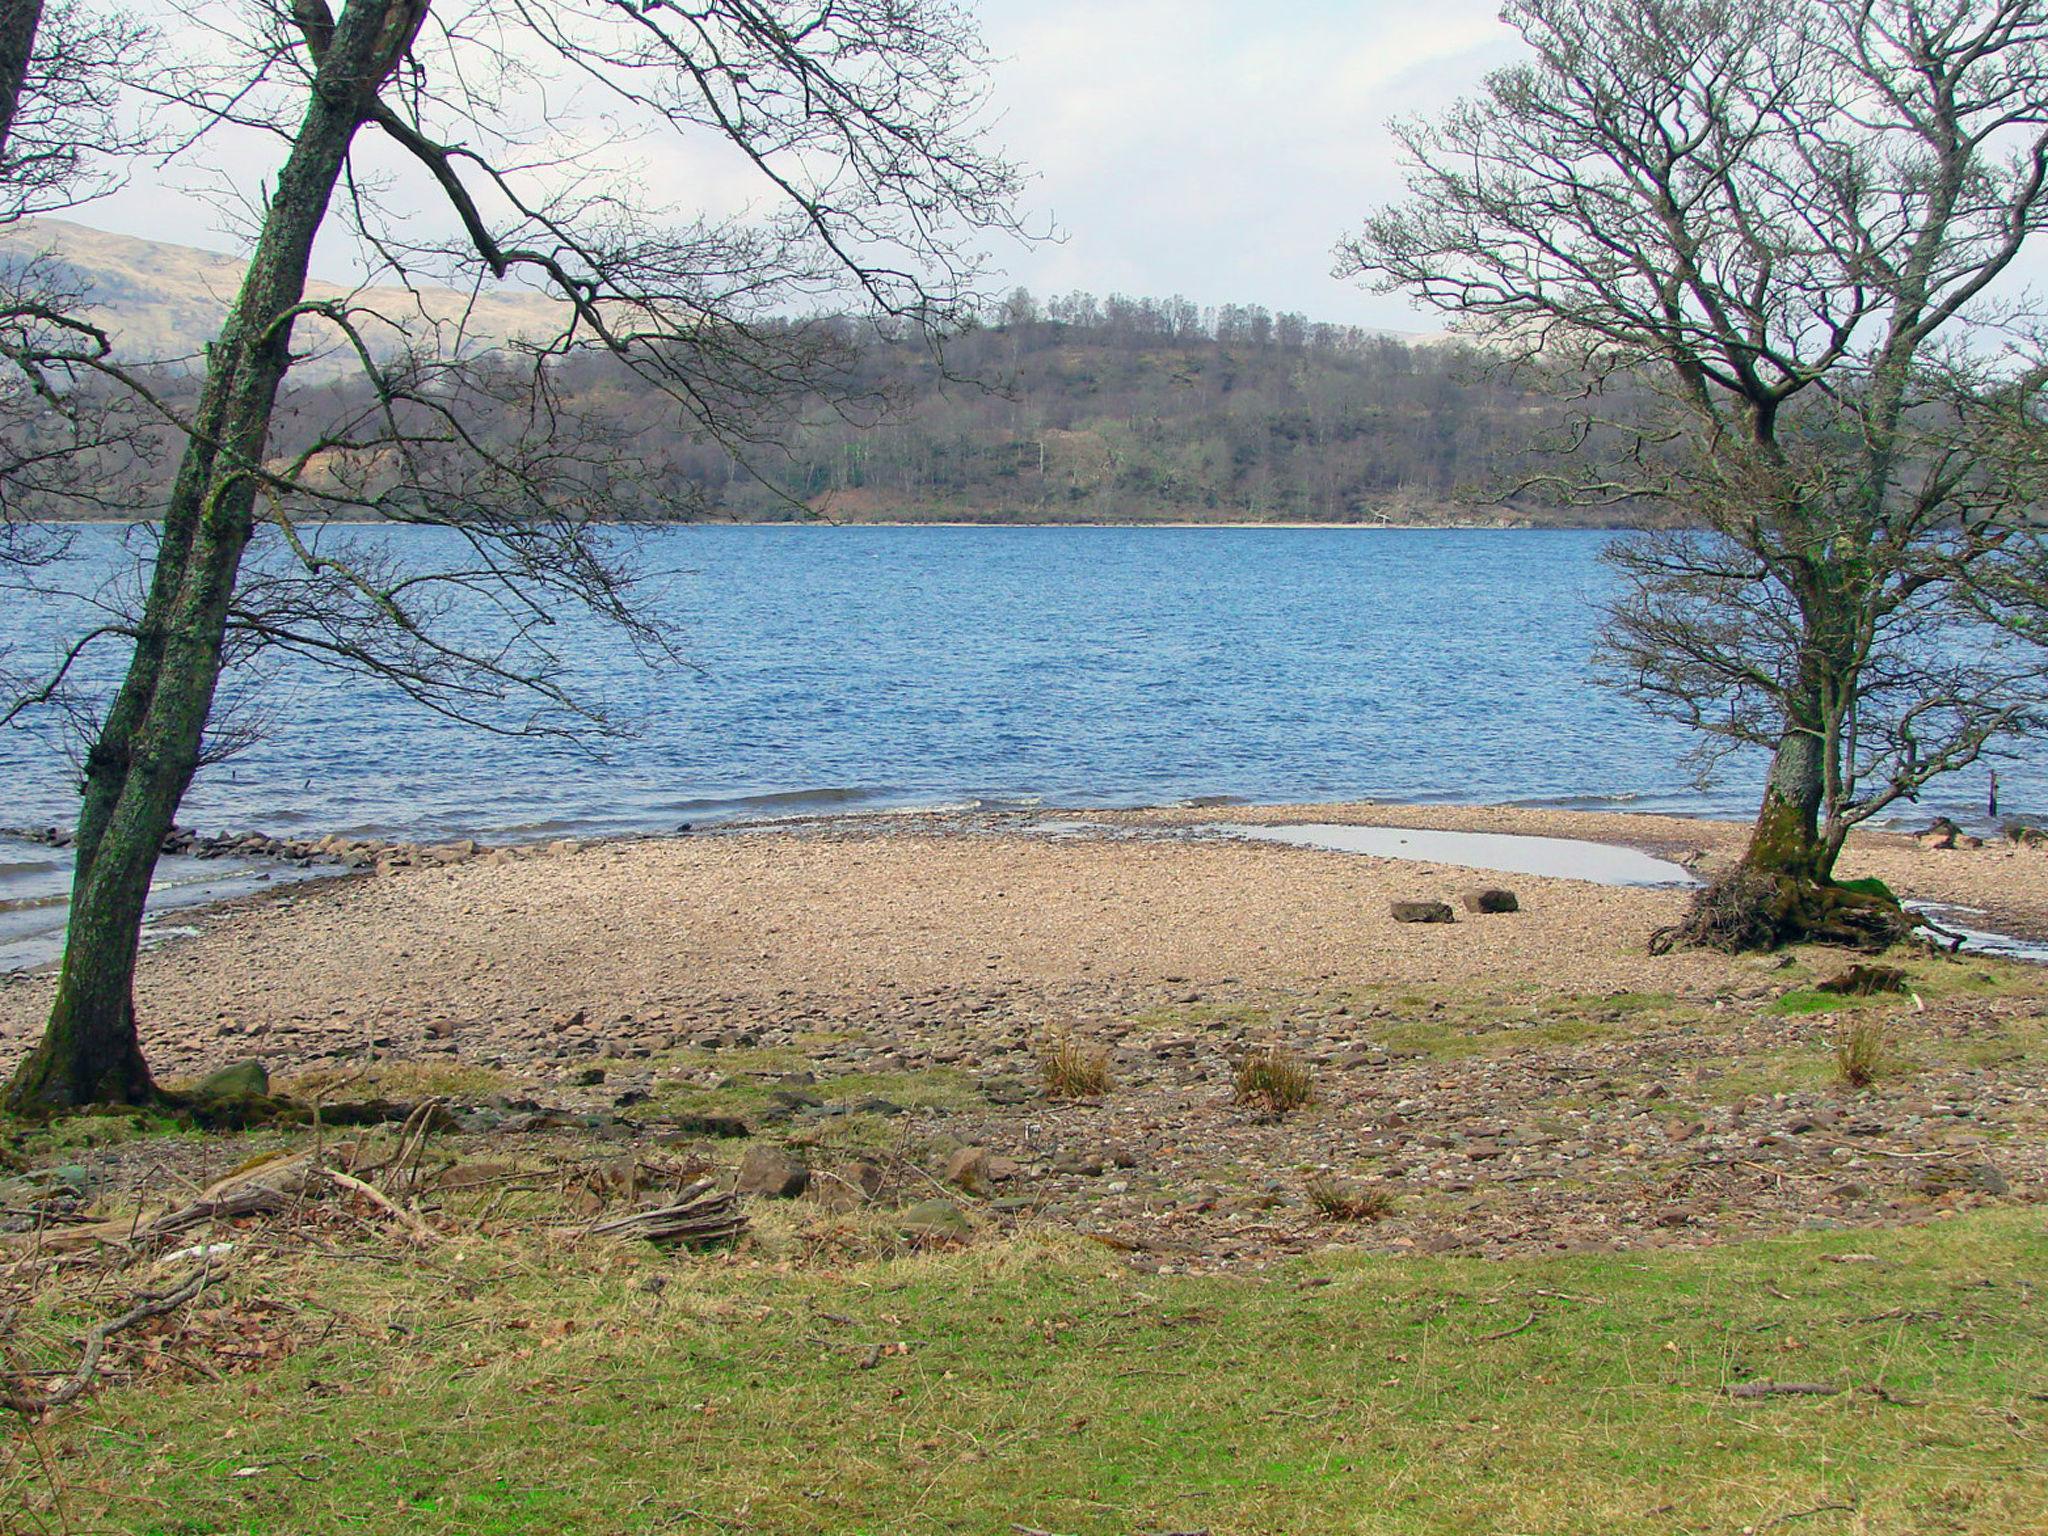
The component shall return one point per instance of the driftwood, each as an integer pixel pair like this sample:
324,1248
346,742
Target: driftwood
698,1217
266,1186
412,1222
23,1400
263,1188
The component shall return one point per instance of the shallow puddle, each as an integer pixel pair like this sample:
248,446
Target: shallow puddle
1980,941
1560,858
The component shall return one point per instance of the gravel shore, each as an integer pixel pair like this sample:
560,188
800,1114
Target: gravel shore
882,986
846,916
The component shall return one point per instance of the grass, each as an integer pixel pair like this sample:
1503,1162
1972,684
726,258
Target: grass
1072,1069
1272,1078
517,1385
1336,1200
1862,1052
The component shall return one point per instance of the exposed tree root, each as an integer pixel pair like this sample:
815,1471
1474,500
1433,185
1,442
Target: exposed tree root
1751,909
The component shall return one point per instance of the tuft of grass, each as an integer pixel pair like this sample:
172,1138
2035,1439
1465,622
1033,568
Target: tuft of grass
1073,1069
1862,1053
1335,1200
1273,1078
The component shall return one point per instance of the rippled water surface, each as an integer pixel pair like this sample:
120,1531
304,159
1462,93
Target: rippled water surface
843,668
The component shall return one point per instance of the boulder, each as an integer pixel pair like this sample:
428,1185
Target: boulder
1942,833
243,1080
851,1186
772,1174
935,1221
1491,899
968,1169
1423,912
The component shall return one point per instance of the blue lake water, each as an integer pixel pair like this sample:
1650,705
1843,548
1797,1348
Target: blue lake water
849,668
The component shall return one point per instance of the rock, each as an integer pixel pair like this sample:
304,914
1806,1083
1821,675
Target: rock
1491,899
243,1080
1986,1179
1941,834
725,1126
1864,980
936,1221
589,1077
968,1168
1423,912
771,1173
851,1186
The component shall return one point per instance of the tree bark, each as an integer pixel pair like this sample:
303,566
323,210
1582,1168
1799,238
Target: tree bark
1786,839
144,756
1787,872
19,20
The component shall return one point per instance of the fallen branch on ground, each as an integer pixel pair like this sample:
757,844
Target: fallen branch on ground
412,1222
699,1216
23,1400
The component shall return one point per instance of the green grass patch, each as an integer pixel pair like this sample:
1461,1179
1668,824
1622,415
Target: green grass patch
522,1387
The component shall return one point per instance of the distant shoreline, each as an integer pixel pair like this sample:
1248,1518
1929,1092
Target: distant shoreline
827,522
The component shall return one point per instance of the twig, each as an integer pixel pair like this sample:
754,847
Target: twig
23,1401
1508,1333
411,1221
1797,1514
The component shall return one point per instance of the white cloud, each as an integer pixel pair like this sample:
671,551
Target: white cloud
1216,148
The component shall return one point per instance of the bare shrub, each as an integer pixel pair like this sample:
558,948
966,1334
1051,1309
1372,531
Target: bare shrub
1273,1078
1073,1069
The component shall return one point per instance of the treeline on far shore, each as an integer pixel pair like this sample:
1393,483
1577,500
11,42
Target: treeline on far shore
1087,410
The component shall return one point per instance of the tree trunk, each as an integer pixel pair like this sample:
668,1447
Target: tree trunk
1786,839
145,754
19,20
1784,891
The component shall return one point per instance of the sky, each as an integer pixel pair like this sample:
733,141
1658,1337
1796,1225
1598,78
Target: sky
1216,149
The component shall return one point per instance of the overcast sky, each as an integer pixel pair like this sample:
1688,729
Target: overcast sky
1212,148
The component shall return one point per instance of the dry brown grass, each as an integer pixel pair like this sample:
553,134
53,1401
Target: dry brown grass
1862,1052
1073,1069
1272,1078
1335,1200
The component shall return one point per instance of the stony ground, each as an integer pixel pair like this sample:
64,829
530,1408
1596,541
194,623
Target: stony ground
872,998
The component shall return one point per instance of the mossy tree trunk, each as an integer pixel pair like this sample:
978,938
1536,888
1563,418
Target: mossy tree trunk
1792,862
144,755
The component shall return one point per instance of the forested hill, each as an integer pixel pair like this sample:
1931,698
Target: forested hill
1120,410
1076,409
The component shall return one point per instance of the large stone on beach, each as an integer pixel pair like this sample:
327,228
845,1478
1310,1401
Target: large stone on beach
772,1174
243,1080
1942,833
1423,912
1492,899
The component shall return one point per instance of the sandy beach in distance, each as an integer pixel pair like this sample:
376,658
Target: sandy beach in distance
925,915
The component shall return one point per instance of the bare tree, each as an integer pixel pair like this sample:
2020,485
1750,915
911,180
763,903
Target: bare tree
61,138
1796,222
861,120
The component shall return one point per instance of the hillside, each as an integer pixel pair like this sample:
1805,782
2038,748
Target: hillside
1074,409
162,301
